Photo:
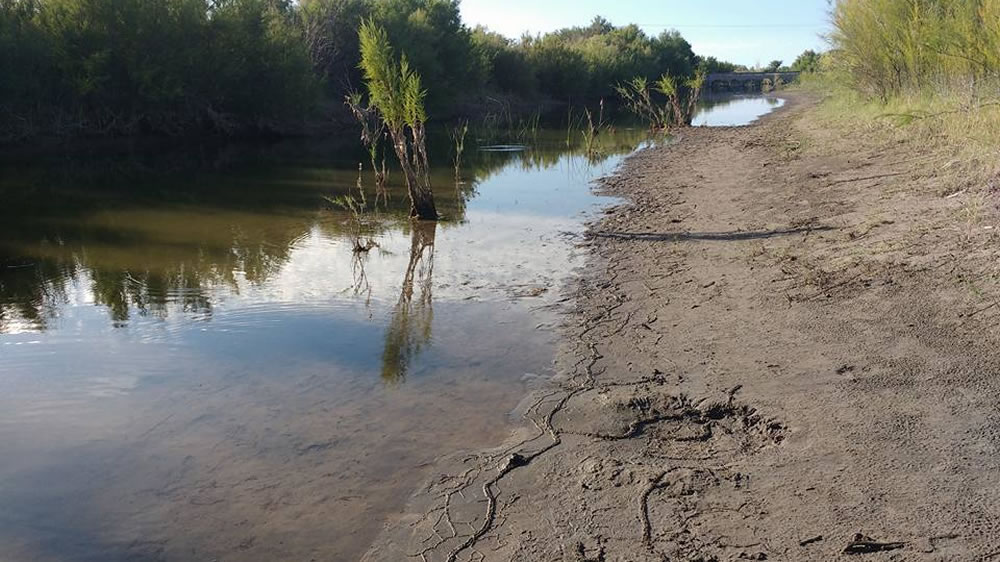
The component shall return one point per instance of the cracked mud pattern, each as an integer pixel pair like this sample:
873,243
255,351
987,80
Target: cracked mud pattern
783,348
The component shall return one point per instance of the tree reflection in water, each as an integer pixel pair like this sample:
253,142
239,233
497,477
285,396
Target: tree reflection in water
409,328
362,285
155,231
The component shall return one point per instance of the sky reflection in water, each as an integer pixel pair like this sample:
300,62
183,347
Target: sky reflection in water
723,111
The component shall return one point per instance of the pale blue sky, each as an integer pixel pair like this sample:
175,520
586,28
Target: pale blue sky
746,32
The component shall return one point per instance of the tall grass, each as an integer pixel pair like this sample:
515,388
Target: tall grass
890,48
677,110
360,213
927,70
592,129
505,124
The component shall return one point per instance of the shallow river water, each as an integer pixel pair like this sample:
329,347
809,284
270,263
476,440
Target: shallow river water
195,365
732,110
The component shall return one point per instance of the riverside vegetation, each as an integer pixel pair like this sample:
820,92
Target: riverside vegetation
124,67
681,99
928,69
397,97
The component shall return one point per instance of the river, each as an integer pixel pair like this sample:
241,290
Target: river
196,364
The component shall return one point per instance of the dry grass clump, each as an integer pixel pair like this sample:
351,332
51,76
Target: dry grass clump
952,123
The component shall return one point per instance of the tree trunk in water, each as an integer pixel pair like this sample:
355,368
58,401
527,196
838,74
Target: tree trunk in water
423,203
421,198
692,105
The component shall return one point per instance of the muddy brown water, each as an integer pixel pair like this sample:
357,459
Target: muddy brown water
195,365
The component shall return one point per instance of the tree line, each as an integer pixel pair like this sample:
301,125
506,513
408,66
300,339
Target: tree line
118,67
169,66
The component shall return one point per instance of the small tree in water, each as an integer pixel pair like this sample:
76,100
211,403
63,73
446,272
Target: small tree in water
395,92
681,99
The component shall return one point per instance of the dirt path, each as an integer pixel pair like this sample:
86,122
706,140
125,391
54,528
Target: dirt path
783,348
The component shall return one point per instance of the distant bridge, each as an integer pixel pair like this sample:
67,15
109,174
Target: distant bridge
746,81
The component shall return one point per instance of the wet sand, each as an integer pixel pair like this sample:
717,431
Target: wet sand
783,347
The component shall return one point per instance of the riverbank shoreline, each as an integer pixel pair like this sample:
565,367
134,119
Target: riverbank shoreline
780,349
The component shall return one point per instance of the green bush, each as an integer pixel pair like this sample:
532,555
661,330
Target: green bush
889,47
396,94
585,63
331,35
126,66
808,61
435,41
173,66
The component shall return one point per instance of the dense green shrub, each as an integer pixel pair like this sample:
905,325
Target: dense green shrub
331,34
808,61
502,67
232,66
586,62
892,47
435,41
708,65
125,66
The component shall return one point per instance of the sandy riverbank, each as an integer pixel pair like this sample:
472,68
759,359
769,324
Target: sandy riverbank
783,348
